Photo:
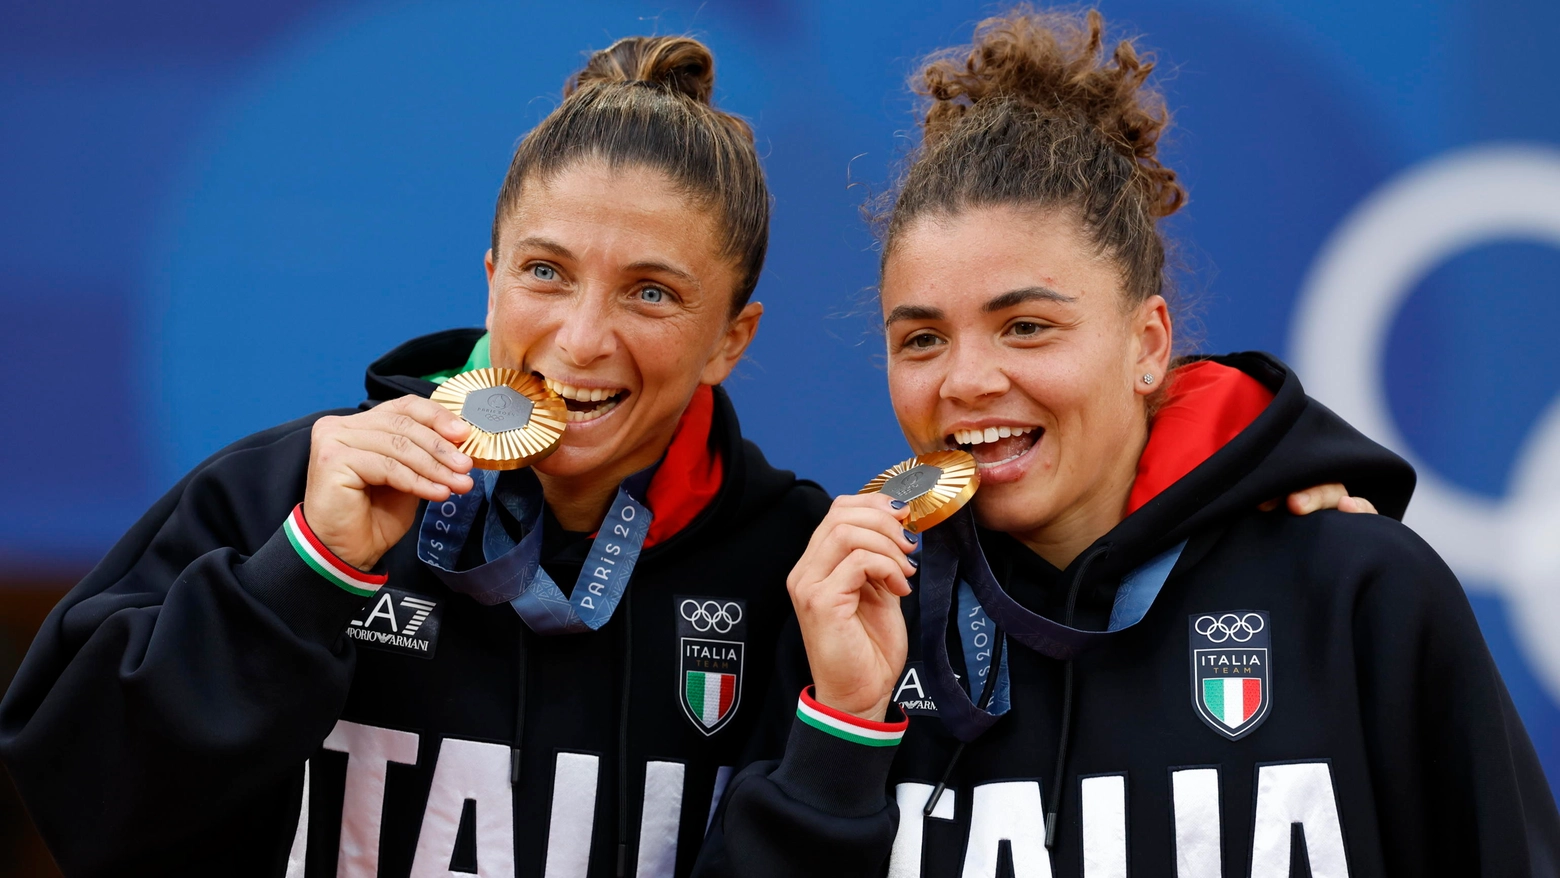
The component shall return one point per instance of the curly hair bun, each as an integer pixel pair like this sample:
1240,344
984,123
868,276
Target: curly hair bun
681,65
1054,63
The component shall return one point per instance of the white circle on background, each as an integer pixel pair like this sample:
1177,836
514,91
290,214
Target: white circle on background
1354,292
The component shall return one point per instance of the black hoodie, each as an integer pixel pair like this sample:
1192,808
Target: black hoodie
162,721
1344,718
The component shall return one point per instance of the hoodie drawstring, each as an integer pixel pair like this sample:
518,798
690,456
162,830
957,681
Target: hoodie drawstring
1064,737
985,700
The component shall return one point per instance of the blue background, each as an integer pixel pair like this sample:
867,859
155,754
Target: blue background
214,215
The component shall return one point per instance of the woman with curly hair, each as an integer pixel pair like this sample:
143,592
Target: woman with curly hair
1113,656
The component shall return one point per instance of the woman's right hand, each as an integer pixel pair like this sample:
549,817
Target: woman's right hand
846,590
367,472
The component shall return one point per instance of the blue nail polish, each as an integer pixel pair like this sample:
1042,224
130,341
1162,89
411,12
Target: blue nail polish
914,562
898,504
912,537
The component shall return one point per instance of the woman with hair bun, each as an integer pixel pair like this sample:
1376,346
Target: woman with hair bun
296,663
1112,661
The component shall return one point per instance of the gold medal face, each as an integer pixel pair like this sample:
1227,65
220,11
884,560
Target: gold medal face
935,485
515,420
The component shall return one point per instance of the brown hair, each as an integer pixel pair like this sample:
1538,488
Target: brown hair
1033,113
646,101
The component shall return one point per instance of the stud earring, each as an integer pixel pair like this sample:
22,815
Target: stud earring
1148,379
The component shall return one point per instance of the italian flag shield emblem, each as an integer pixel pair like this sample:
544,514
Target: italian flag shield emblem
1232,683
1233,700
710,695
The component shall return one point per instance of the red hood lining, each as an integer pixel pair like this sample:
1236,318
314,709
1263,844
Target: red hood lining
691,473
1206,405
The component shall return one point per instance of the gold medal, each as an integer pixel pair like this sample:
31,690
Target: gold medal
515,420
935,485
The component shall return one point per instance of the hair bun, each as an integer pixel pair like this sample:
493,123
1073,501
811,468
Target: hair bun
1054,62
681,65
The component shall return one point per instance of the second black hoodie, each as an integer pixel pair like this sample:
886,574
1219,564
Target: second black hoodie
1306,696
205,703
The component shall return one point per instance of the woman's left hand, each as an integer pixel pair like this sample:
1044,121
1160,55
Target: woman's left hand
1329,496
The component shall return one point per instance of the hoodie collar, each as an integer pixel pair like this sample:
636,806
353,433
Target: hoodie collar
481,358
1237,432
401,371
1207,405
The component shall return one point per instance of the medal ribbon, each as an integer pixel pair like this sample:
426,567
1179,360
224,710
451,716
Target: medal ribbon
954,565
513,573
978,635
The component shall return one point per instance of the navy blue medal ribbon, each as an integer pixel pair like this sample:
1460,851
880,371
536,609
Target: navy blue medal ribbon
513,571
953,566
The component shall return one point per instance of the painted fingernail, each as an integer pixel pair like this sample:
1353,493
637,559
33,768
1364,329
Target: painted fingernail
913,562
898,504
912,537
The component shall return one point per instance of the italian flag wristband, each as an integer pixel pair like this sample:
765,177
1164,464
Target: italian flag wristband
842,725
324,561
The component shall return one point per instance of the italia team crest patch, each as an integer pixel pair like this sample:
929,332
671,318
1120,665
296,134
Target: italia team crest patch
1231,681
712,640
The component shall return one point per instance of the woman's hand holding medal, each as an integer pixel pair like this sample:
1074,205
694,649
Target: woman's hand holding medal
847,586
846,589
368,471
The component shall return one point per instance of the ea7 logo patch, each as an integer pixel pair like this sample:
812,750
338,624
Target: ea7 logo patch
1231,680
399,621
712,639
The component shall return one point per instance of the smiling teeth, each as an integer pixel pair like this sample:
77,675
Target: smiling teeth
990,434
581,394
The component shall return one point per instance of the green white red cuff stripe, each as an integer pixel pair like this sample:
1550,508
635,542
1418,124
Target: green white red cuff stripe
852,728
324,561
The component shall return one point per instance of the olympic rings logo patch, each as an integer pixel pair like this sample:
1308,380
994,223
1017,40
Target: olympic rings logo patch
1229,626
712,615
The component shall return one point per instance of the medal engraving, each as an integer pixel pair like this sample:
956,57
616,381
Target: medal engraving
497,410
935,486
912,483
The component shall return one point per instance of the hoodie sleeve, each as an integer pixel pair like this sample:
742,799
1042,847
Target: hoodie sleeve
1461,791
821,809
166,708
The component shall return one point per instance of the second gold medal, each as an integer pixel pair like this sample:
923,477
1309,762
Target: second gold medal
935,486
